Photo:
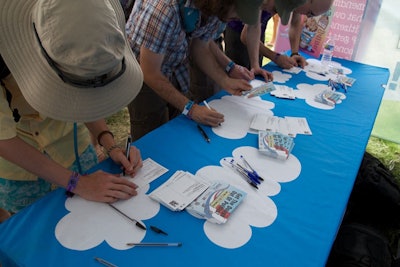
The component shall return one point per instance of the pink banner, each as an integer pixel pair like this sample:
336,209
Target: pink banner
343,22
345,26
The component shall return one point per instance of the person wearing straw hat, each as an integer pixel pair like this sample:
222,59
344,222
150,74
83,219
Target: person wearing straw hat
165,35
288,10
67,65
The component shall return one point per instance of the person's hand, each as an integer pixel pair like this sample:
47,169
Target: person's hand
131,166
285,62
206,116
236,86
104,187
266,74
240,72
300,61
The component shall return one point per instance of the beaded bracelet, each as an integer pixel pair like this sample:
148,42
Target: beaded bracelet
101,135
72,183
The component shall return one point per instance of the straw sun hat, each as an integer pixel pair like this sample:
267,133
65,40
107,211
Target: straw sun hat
70,58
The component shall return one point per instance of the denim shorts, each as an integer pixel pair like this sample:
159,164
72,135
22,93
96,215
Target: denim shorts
16,195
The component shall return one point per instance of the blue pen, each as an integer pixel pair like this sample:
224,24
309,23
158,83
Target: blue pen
251,176
251,168
243,174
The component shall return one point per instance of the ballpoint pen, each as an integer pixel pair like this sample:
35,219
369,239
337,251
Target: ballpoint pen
243,174
157,230
317,72
251,168
104,262
127,150
249,174
137,223
203,133
208,106
178,244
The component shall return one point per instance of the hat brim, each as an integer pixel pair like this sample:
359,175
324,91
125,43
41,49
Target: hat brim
43,88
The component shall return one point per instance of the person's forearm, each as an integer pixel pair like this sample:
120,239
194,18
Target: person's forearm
295,29
222,59
150,64
206,60
252,41
32,160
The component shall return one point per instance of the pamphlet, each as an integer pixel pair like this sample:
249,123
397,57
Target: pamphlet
328,97
275,144
179,190
217,203
259,88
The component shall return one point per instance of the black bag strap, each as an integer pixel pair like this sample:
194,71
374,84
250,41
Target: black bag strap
4,72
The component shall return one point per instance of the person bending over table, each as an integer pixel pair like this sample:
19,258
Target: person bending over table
162,35
65,61
286,9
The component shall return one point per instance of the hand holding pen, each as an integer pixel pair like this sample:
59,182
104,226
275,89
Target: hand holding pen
206,115
132,161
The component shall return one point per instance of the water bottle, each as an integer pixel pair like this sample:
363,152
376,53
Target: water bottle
327,53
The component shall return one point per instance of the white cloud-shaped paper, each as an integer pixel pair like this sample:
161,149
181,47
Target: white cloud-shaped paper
238,112
308,92
281,77
314,67
237,230
89,223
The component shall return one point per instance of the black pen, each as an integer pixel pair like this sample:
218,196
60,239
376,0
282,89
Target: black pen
137,223
203,133
104,262
127,149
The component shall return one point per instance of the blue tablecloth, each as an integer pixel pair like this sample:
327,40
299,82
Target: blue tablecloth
310,208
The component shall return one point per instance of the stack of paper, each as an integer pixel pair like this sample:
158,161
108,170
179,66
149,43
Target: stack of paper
288,125
283,91
179,190
259,88
328,97
275,144
217,203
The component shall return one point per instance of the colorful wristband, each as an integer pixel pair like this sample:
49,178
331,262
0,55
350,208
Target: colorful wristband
294,54
229,67
72,183
187,108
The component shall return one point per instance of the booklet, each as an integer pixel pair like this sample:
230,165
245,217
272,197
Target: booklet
179,190
217,203
328,97
275,144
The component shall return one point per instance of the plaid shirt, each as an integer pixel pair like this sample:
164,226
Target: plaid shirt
157,26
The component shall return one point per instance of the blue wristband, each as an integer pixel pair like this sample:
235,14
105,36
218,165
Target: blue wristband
187,108
229,67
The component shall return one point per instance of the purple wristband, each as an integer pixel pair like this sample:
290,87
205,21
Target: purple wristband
73,181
